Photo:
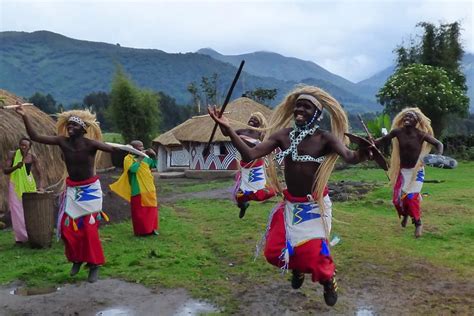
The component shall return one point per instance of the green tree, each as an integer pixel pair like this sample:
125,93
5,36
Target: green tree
440,46
45,103
261,95
98,103
134,111
376,125
172,114
194,90
428,88
209,88
206,93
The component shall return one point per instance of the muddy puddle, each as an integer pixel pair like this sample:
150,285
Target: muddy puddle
189,308
105,298
364,311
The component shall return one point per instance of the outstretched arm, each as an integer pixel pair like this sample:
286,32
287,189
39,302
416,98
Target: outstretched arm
98,145
436,143
384,140
349,156
49,140
248,153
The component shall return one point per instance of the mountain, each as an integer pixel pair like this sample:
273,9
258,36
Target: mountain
268,64
288,68
69,69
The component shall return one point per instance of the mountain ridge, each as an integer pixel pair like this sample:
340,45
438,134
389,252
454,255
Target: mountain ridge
69,69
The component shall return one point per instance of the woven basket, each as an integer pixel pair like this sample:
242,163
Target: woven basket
39,218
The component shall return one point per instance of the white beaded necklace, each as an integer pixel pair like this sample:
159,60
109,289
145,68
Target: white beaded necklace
295,141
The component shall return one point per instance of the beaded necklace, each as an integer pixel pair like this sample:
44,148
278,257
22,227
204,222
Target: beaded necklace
296,140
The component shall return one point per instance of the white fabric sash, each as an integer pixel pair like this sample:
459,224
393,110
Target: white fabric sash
252,179
416,185
83,200
303,221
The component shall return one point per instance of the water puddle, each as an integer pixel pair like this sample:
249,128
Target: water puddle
192,308
28,291
189,308
364,311
118,311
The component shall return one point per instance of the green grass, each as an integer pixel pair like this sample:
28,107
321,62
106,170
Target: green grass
374,233
113,138
206,249
175,186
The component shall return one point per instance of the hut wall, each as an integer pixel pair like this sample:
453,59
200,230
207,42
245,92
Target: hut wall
222,156
172,158
178,157
161,159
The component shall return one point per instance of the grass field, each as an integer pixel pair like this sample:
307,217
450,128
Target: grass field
202,244
113,138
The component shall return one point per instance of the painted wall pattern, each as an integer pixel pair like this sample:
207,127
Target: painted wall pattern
213,161
178,157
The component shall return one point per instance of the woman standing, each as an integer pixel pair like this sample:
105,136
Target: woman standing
20,165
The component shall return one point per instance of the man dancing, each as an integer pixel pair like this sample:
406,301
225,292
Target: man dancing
251,184
81,203
412,137
299,226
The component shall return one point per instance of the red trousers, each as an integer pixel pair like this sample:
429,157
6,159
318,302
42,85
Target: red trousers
83,244
260,195
406,204
307,258
144,218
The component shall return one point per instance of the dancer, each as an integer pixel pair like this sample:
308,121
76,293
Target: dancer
251,184
81,203
412,137
299,226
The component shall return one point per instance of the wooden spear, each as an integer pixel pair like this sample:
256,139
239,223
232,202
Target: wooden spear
205,152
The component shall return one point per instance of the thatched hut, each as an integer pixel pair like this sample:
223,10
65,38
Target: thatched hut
194,134
12,129
171,154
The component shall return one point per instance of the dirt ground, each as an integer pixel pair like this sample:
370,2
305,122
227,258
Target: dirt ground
106,298
425,291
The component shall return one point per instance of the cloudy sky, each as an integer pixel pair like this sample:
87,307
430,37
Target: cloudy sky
351,38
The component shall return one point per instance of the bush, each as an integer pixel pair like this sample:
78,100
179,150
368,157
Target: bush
459,146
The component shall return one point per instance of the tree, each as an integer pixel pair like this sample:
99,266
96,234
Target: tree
434,80
379,123
172,114
428,88
206,93
98,103
439,47
209,87
45,103
134,112
261,95
194,90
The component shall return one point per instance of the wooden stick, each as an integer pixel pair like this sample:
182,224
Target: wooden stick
205,152
13,106
371,139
